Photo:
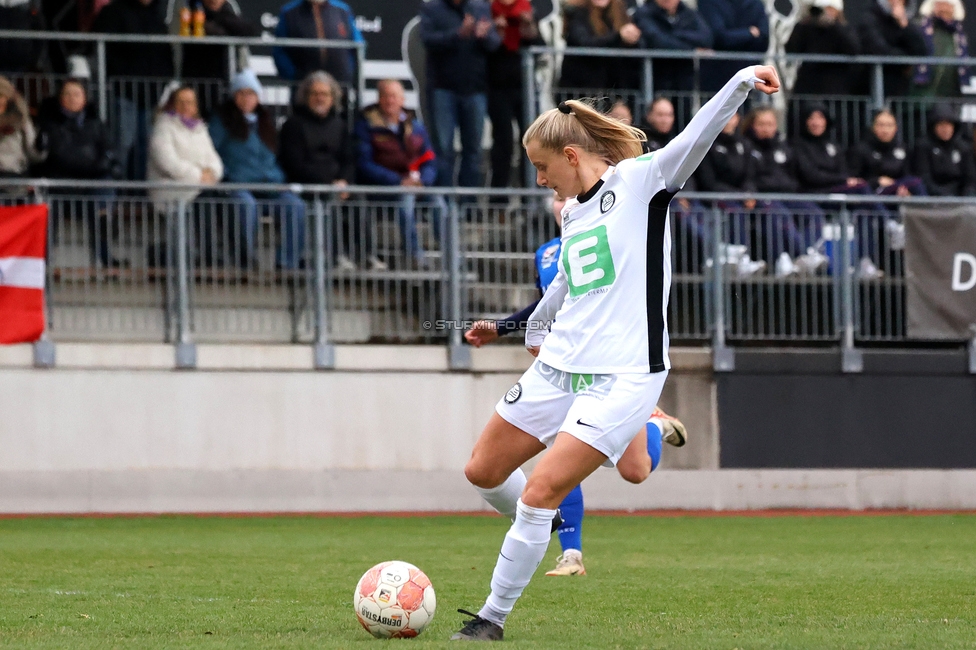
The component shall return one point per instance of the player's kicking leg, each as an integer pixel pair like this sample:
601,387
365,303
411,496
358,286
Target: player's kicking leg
644,453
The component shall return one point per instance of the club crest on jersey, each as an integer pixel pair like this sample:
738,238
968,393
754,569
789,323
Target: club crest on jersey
514,393
607,200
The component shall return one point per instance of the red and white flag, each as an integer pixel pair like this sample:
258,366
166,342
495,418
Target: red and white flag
23,240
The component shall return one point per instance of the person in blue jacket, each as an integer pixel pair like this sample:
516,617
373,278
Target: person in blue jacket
737,26
672,25
244,135
660,427
313,19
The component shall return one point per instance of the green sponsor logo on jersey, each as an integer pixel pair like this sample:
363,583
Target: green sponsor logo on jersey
588,262
580,383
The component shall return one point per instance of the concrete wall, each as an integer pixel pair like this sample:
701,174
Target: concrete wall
116,429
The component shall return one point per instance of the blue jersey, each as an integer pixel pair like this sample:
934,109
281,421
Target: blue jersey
546,266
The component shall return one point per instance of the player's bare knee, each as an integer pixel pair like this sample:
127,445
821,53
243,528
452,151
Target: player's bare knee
540,495
634,472
482,475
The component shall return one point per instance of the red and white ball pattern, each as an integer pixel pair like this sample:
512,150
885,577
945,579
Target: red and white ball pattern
394,600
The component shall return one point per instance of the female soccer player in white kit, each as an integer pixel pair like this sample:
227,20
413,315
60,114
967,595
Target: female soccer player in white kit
599,332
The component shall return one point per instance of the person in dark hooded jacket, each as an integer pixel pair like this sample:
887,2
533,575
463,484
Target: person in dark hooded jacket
820,163
79,147
943,160
886,29
882,160
824,30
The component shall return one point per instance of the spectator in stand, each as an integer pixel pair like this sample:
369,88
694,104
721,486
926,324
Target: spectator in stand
136,73
621,112
882,160
243,133
944,160
394,149
824,30
459,35
181,151
317,19
316,148
945,36
886,30
20,55
737,26
599,23
822,169
18,139
659,123
791,227
673,25
79,147
207,65
517,29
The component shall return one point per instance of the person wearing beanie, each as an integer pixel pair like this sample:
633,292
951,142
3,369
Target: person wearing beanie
243,133
942,28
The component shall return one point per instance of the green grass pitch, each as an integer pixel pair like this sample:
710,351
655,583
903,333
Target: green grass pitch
654,582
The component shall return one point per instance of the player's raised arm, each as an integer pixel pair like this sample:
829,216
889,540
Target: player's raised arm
681,157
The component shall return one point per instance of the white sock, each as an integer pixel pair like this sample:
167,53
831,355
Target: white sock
504,497
523,549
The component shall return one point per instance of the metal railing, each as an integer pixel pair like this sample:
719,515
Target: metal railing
310,265
851,112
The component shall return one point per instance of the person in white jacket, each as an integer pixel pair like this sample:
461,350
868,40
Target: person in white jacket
181,151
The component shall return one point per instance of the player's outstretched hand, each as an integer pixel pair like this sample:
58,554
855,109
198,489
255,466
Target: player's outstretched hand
769,83
482,333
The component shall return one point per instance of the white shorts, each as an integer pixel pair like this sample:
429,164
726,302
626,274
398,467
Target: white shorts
604,411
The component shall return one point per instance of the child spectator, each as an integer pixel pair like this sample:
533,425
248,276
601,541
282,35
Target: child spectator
317,19
943,159
244,135
458,35
394,149
945,36
673,25
599,23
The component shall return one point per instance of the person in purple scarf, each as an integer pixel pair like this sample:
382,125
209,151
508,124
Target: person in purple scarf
942,28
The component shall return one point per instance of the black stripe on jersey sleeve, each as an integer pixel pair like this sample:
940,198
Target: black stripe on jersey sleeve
657,212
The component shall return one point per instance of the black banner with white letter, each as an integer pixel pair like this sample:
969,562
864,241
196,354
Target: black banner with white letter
940,270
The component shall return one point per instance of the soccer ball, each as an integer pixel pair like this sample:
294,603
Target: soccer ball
394,600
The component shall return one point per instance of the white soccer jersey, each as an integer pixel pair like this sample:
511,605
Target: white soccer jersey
609,300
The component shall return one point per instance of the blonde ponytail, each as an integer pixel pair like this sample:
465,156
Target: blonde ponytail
578,123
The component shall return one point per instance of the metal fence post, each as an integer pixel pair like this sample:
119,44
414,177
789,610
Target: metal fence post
723,357
324,352
43,349
972,353
102,82
459,355
877,86
852,360
647,81
186,350
231,62
528,108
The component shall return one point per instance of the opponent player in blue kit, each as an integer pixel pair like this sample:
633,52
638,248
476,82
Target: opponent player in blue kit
660,427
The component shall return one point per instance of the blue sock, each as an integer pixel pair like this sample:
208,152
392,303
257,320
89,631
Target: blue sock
571,509
654,445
